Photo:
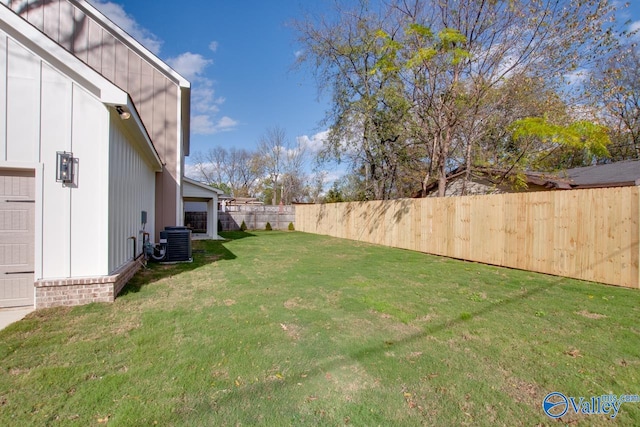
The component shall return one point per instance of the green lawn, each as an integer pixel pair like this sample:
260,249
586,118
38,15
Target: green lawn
286,328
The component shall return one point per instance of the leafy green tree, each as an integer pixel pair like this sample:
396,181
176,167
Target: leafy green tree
422,79
582,139
457,53
266,192
334,195
368,111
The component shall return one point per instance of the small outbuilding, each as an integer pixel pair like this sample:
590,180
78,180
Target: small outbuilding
196,193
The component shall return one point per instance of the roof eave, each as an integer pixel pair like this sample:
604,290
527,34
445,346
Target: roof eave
203,186
135,125
608,184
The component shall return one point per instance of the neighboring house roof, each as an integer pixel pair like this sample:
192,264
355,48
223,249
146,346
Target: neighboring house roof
197,189
245,201
623,173
491,180
618,174
110,94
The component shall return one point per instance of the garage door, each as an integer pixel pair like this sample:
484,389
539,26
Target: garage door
17,212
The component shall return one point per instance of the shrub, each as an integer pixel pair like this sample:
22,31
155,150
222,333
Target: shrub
291,227
219,225
243,226
268,226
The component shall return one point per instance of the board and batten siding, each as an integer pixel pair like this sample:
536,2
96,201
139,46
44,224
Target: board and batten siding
131,191
156,95
44,111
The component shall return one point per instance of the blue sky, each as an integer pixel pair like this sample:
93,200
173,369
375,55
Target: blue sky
238,56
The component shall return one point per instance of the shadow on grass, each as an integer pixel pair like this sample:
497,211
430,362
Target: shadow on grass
463,317
235,235
363,354
204,252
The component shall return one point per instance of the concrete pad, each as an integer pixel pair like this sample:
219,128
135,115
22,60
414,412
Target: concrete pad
11,315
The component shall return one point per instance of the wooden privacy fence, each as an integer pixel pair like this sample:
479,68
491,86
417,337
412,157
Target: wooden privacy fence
585,234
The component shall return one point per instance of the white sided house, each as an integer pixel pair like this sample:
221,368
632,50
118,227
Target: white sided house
93,133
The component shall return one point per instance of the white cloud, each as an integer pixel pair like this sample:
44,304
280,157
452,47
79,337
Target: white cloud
334,175
315,143
204,104
203,124
190,65
635,27
203,99
117,14
225,124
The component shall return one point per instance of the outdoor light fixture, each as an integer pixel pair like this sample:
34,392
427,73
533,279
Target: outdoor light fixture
124,115
64,167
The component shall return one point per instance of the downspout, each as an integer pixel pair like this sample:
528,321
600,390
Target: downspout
135,245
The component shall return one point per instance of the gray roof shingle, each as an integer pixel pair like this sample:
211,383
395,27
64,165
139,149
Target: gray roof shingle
626,172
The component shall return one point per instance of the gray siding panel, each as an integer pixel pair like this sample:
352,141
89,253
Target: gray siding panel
35,16
121,65
66,26
145,107
52,20
108,64
80,42
133,77
94,54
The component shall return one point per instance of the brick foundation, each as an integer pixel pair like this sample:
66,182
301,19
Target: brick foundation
84,290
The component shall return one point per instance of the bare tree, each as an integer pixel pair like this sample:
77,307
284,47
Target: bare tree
235,171
210,166
246,171
273,149
615,87
294,182
316,188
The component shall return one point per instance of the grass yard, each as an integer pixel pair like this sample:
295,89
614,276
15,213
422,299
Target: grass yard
277,328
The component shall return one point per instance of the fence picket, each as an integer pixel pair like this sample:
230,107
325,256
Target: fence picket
590,234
